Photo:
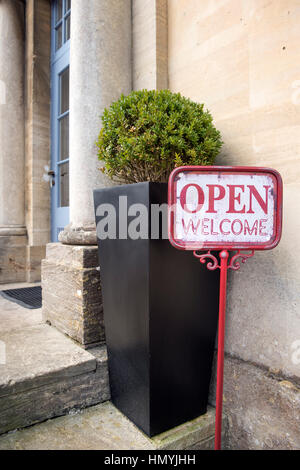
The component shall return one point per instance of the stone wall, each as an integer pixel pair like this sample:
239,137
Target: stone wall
149,44
241,59
72,300
13,237
24,138
37,133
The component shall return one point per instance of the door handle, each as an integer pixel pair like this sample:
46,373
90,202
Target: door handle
51,173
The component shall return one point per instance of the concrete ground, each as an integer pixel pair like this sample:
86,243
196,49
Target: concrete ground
103,427
43,373
18,285
34,351
12,315
46,375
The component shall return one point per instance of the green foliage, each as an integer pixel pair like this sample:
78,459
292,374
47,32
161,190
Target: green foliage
146,134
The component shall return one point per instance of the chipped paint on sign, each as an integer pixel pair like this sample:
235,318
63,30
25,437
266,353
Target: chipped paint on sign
212,207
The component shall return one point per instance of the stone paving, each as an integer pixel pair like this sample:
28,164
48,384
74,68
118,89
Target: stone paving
14,317
47,375
103,427
43,373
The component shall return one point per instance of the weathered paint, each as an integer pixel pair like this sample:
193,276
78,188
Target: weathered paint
224,207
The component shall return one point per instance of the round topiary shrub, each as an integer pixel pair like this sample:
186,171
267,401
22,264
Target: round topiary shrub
146,134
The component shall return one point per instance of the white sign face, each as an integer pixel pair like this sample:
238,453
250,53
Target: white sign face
219,207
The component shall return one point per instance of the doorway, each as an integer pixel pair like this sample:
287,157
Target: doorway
60,72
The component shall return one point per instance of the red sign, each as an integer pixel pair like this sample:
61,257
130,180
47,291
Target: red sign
213,207
224,208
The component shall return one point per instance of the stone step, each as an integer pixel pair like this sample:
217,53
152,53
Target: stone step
46,375
46,378
103,427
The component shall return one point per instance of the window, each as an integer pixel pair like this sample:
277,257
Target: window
63,133
60,78
62,22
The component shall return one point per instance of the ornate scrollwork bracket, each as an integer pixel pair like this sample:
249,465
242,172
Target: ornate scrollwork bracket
224,263
212,261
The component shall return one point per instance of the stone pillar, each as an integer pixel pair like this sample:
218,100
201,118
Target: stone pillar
37,133
100,70
12,205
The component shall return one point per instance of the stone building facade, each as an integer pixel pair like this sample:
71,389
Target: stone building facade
239,57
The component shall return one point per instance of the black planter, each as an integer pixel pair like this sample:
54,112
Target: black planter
160,311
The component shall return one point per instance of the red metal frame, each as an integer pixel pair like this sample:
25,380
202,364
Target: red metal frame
179,244
224,265
212,264
221,341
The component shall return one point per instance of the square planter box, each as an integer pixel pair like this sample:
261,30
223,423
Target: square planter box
160,314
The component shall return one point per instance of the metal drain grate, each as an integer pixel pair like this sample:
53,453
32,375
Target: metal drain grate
28,297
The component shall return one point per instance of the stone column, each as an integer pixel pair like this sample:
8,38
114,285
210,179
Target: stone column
100,70
37,133
12,205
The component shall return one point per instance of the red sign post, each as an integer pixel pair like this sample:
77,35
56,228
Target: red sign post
221,209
